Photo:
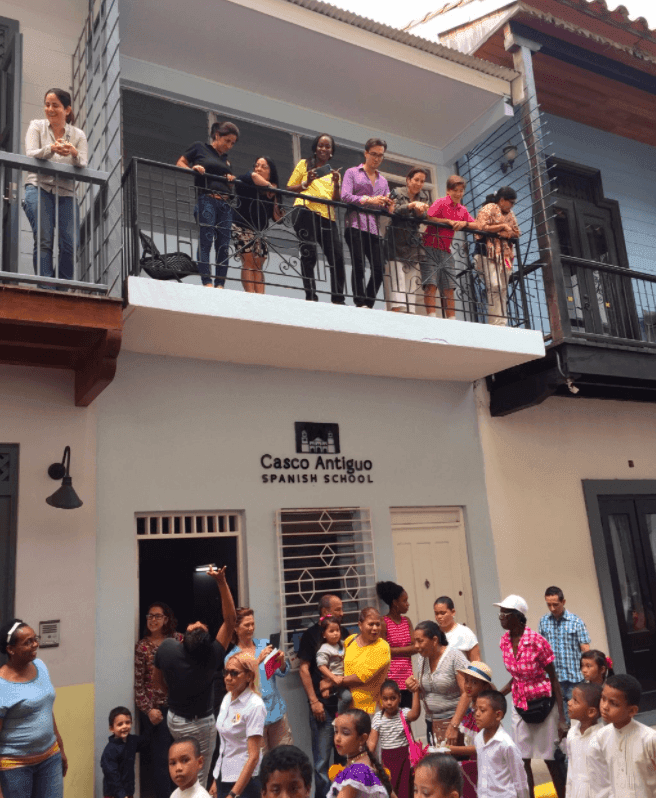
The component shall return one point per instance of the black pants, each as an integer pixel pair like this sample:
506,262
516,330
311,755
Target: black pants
157,759
312,229
363,244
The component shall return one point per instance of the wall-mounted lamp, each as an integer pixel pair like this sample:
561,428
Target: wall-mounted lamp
65,498
508,158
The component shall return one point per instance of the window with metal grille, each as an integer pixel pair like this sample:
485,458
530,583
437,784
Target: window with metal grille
323,550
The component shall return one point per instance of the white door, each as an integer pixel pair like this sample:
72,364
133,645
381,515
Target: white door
430,554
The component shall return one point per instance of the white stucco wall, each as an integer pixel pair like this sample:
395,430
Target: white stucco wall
178,434
535,461
55,567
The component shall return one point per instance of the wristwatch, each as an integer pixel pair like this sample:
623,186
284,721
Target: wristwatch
233,794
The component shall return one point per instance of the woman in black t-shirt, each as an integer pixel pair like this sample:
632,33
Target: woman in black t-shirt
213,212
255,209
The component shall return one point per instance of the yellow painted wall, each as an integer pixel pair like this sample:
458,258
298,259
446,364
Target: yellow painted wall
74,708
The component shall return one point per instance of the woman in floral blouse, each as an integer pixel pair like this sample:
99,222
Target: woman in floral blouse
497,264
151,702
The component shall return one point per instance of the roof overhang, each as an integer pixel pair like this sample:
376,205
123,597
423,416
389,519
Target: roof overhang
285,51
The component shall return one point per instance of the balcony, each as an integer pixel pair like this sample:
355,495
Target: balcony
605,344
48,321
183,319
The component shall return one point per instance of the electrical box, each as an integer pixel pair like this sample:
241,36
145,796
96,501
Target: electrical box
49,633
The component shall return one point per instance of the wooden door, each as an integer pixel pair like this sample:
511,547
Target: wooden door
430,555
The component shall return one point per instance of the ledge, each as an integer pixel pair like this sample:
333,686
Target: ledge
62,330
180,320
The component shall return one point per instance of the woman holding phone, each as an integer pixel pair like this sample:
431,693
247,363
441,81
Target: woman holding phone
316,222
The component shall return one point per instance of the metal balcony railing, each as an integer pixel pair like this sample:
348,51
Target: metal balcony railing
72,243
161,233
605,303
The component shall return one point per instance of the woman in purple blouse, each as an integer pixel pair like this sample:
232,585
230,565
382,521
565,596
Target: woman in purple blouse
364,185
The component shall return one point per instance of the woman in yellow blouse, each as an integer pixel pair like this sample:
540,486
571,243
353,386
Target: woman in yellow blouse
315,222
367,659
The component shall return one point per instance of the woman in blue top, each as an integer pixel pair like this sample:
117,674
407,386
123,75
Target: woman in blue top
276,726
32,759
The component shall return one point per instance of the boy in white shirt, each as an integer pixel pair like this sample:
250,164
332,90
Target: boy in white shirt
623,753
501,772
185,763
583,709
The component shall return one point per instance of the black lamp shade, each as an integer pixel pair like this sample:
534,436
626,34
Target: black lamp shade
65,498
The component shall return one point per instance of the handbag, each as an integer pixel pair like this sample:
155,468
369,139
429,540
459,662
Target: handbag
170,266
538,709
416,750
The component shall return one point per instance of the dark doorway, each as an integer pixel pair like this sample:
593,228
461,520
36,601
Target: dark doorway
589,230
629,526
167,572
11,61
8,523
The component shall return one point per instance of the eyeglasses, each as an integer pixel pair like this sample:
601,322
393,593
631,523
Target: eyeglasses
157,616
376,154
503,614
232,673
31,641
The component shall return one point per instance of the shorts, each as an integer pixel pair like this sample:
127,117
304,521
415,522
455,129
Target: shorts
247,240
437,268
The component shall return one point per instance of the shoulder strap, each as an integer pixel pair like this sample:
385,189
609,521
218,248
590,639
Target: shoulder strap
408,731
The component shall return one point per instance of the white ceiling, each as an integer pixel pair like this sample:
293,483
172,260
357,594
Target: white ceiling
231,44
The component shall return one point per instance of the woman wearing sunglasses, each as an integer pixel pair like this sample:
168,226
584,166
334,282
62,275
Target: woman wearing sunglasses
152,702
32,759
240,726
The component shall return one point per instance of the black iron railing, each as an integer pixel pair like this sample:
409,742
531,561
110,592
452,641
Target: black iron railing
605,303
299,252
71,249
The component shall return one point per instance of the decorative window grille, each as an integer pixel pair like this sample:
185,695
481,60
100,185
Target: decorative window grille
323,550
182,524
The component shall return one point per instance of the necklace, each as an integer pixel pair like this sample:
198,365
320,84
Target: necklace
351,759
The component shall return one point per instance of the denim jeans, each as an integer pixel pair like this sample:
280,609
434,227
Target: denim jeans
566,689
44,780
42,221
214,217
322,746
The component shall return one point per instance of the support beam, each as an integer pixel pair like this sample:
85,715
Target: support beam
97,369
554,282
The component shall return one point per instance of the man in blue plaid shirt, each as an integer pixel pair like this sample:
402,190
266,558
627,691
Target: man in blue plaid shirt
568,637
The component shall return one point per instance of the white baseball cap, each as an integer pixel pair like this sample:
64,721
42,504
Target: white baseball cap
513,602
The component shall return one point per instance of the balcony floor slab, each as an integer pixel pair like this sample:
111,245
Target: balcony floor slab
183,320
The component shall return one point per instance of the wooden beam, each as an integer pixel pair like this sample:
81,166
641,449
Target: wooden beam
38,306
97,368
45,337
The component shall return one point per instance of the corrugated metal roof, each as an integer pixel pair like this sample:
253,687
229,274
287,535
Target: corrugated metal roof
409,39
597,8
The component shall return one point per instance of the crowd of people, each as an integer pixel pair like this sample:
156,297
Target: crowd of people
364,693
398,235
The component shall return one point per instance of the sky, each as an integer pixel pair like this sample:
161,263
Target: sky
399,13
